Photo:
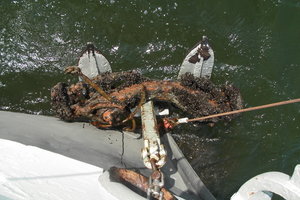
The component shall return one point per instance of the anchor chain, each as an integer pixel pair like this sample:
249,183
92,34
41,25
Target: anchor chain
156,183
153,154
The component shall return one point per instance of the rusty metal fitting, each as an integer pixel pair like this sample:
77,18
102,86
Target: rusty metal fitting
156,183
170,123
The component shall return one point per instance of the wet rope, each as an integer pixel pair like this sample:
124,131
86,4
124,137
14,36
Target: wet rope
186,120
95,86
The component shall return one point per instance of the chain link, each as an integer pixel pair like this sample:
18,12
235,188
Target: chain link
156,152
156,182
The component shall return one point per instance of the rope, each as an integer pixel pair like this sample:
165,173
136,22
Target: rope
244,110
95,86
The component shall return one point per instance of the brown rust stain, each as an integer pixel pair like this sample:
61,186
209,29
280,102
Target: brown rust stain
196,97
136,179
213,103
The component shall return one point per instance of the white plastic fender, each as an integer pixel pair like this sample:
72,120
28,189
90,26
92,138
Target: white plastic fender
259,187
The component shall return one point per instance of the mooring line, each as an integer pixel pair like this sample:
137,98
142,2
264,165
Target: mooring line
186,120
95,86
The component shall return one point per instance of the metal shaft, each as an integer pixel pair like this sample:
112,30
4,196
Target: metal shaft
245,110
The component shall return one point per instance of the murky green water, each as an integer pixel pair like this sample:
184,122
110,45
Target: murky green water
257,48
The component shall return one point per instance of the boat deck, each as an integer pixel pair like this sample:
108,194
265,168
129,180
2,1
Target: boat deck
102,148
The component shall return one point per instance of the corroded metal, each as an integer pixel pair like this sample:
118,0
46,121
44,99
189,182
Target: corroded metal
137,180
124,91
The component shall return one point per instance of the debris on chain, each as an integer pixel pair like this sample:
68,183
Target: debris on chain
194,96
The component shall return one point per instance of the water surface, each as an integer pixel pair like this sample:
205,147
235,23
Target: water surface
256,47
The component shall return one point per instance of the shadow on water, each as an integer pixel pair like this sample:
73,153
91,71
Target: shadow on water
256,47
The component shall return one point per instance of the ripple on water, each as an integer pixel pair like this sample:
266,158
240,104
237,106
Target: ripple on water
255,49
